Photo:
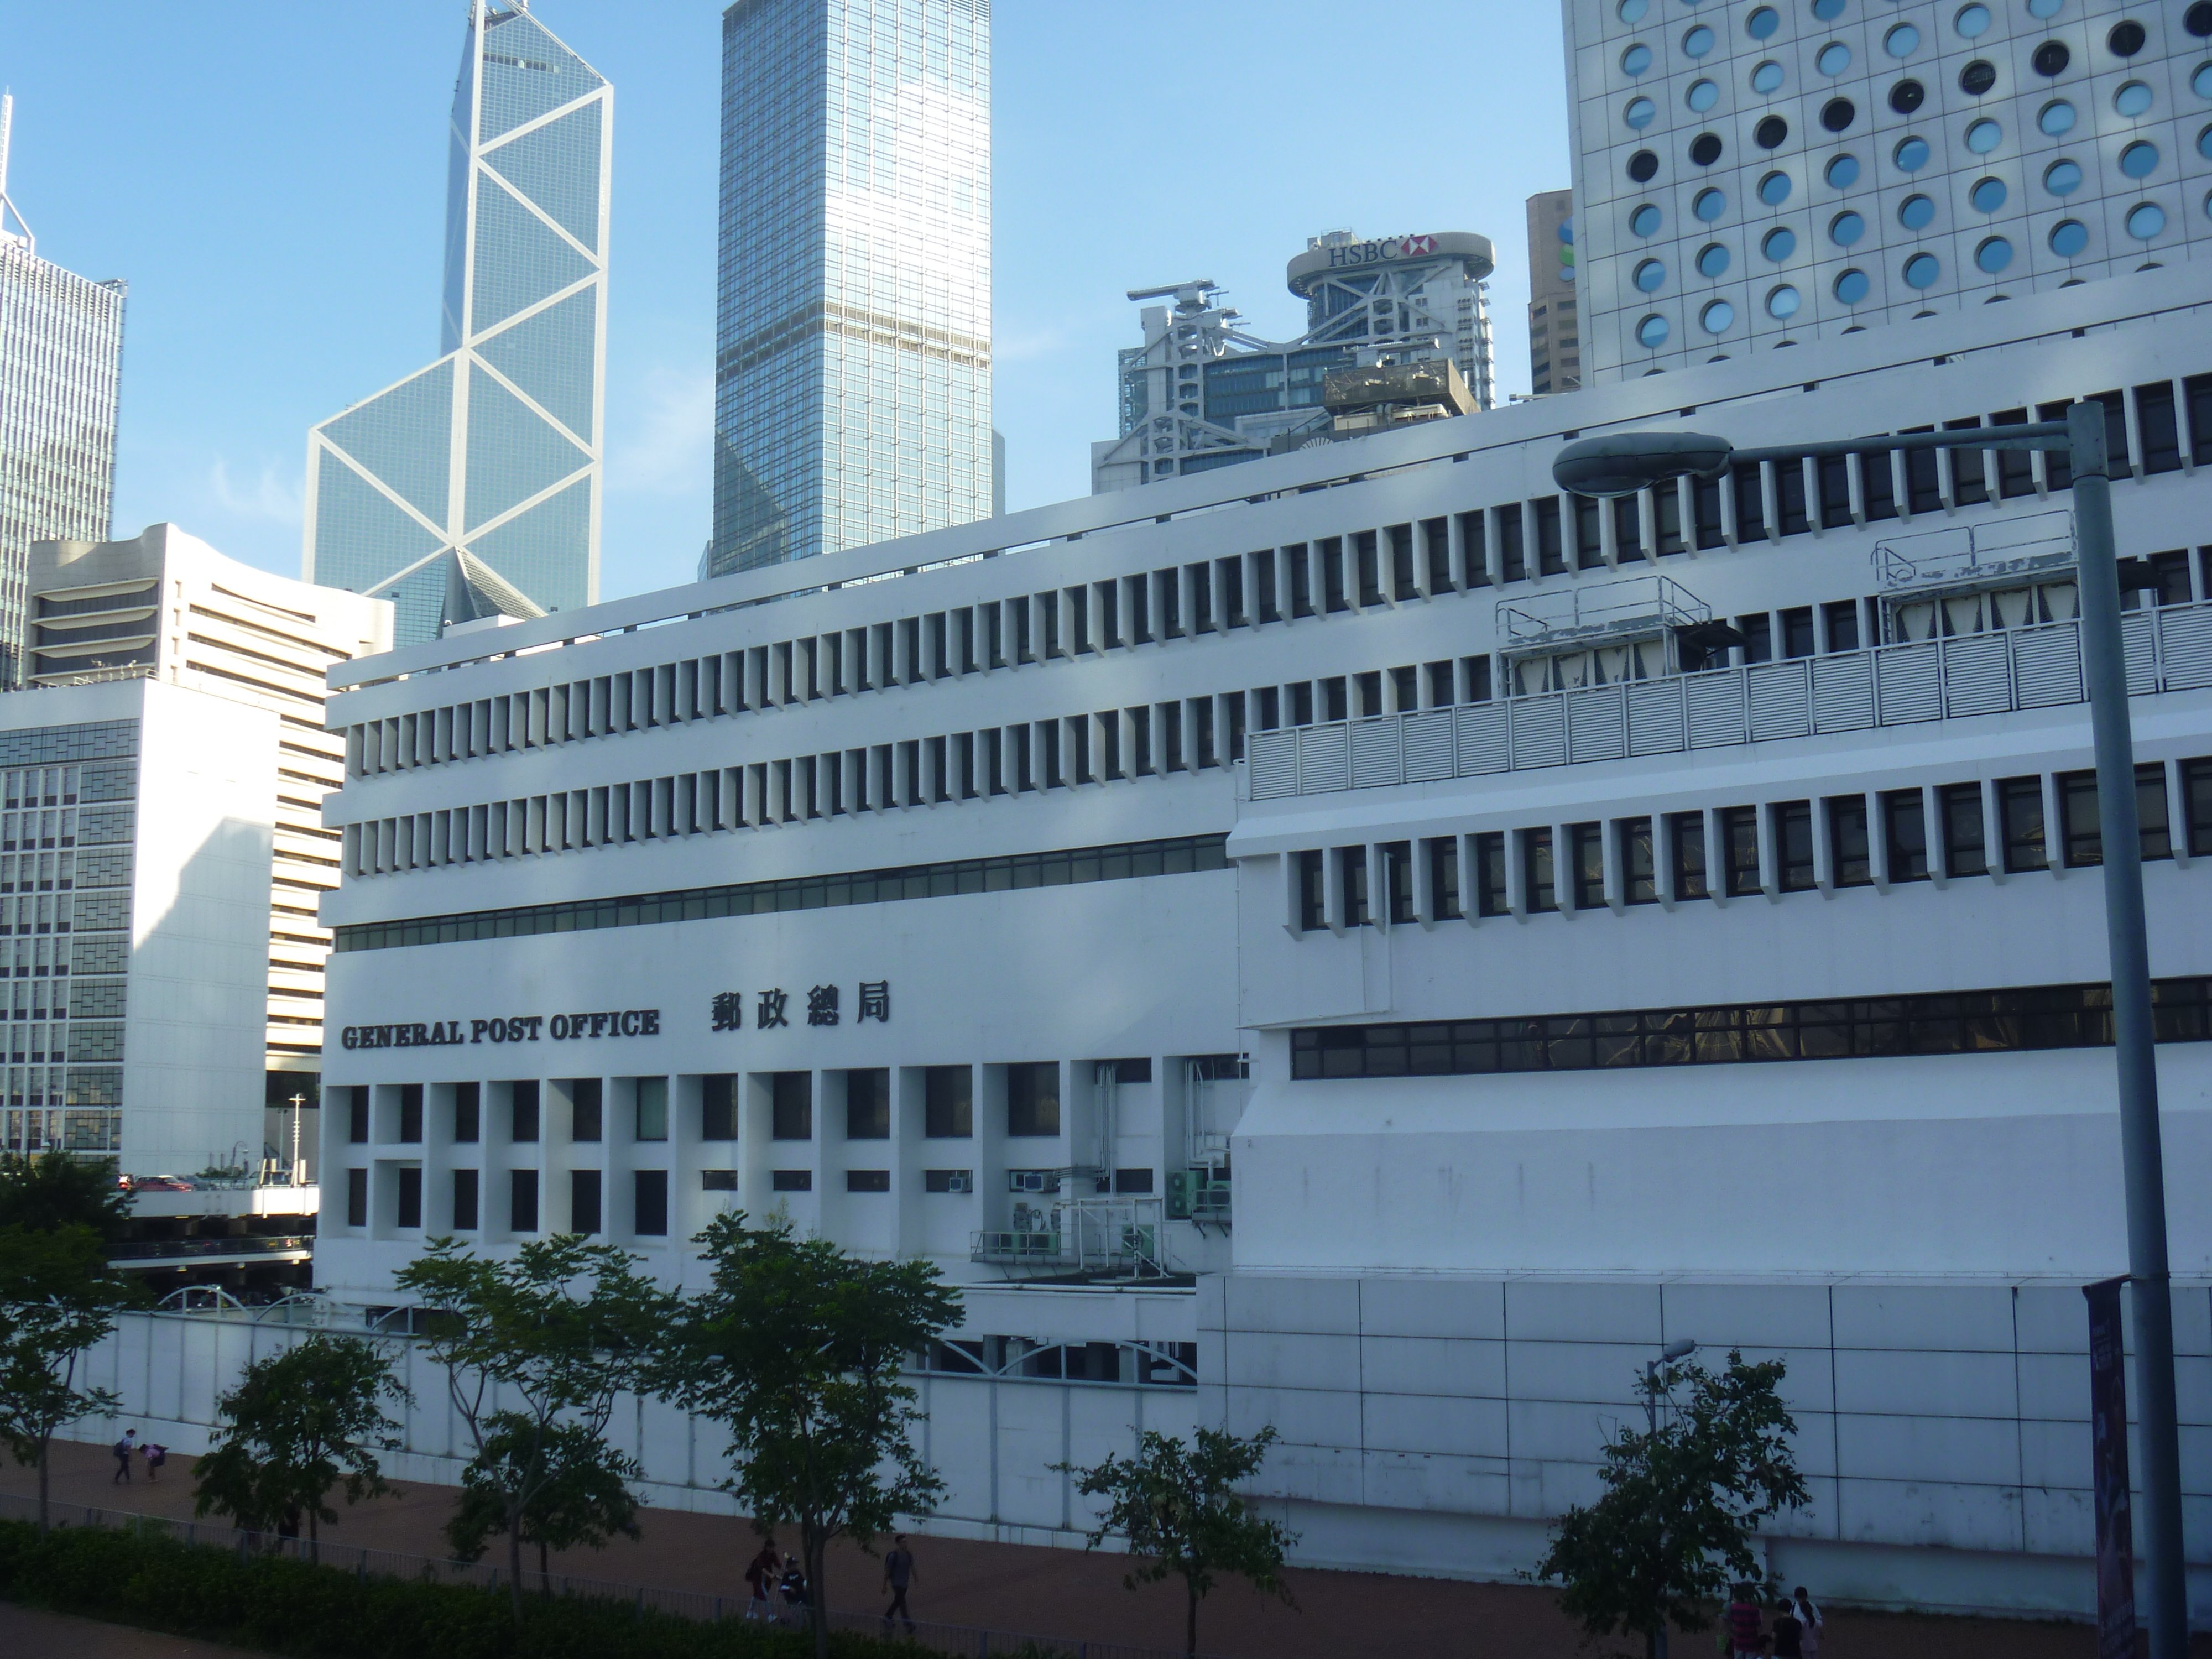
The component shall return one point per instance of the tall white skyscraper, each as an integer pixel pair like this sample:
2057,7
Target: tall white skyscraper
853,363
471,488
1770,174
61,373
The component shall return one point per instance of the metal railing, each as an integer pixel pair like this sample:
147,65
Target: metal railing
2168,649
970,1642
1592,610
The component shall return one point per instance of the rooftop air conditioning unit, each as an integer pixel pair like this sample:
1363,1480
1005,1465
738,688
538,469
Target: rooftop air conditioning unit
1032,1180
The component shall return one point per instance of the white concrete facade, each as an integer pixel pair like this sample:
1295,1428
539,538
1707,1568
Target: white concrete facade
1115,673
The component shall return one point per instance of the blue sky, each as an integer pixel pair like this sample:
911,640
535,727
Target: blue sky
270,180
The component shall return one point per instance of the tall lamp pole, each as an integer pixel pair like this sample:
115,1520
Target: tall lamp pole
1622,463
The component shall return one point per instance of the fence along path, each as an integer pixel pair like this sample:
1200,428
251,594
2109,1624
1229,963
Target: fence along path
964,1641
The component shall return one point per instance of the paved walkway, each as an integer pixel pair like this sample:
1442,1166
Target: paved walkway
27,1633
1068,1594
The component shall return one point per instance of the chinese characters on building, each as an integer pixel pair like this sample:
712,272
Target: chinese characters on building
772,1008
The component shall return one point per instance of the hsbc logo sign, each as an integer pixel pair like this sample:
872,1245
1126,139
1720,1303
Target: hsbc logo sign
1380,252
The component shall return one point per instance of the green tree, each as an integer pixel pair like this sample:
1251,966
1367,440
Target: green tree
1177,1504
56,1190
58,1298
796,1349
586,1502
534,1347
1673,1528
298,1424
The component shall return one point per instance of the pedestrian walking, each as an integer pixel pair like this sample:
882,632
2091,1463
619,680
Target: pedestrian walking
898,1577
1788,1632
760,1579
1743,1624
155,1457
123,1448
793,1586
1809,1640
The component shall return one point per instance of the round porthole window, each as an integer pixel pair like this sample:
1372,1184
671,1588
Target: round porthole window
2140,159
1916,212
1706,149
1774,189
1712,260
1833,58
1643,166
1978,78
1993,255
1838,113
1651,276
1852,286
1778,244
1843,170
1973,21
1701,96
2045,10
1767,77
2051,59
1709,206
2204,144
1910,155
2056,118
1638,113
1782,302
1901,41
2126,38
1922,270
1636,59
1651,332
2063,177
1762,22
1984,135
2201,81
1632,11
2134,98
2069,237
1988,195
1645,220
2197,20
2145,220
1716,316
1827,10
1907,96
1770,131
1698,42
1846,229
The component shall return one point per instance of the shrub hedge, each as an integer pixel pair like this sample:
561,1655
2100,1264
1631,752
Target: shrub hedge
308,1611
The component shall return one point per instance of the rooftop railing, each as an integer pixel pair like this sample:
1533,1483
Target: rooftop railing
2168,649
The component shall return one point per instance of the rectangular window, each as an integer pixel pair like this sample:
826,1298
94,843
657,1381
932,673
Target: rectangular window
718,1107
1797,631
791,1180
1628,526
1750,501
1490,874
1312,891
1790,497
1687,831
1132,1181
1536,872
1476,554
1740,845
868,1104
1835,476
411,1112
791,1106
522,1201
948,1181
584,1202
1551,556
1301,582
468,1113
948,1105
652,1109
1793,844
1033,1098
1758,631
1639,870
1841,618
1590,546
356,1198
2016,467
2019,810
2155,426
2077,792
649,1203
1352,866
1923,487
411,1196
1667,505
867,1181
1370,588
357,1116
1332,575
1970,484
1705,505
1443,875
1263,591
1586,844
1512,559
1878,487
2197,784
1847,848
1398,878
1966,849
466,1189
522,1110
1905,827
585,1099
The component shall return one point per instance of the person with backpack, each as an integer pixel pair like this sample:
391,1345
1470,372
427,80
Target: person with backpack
155,1457
898,1575
760,1579
123,1448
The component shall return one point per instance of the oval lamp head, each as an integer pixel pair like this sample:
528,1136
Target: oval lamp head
1622,463
1680,1350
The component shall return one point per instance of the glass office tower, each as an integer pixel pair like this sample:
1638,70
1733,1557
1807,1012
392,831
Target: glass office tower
853,363
472,488
61,374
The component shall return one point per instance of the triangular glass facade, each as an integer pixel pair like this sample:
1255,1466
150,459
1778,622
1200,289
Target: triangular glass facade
472,487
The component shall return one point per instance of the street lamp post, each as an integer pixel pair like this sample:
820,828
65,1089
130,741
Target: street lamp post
1621,463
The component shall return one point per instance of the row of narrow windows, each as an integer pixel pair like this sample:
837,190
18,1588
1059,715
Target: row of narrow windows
1879,839
1390,565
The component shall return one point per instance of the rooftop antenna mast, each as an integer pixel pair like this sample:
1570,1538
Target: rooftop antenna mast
8,208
